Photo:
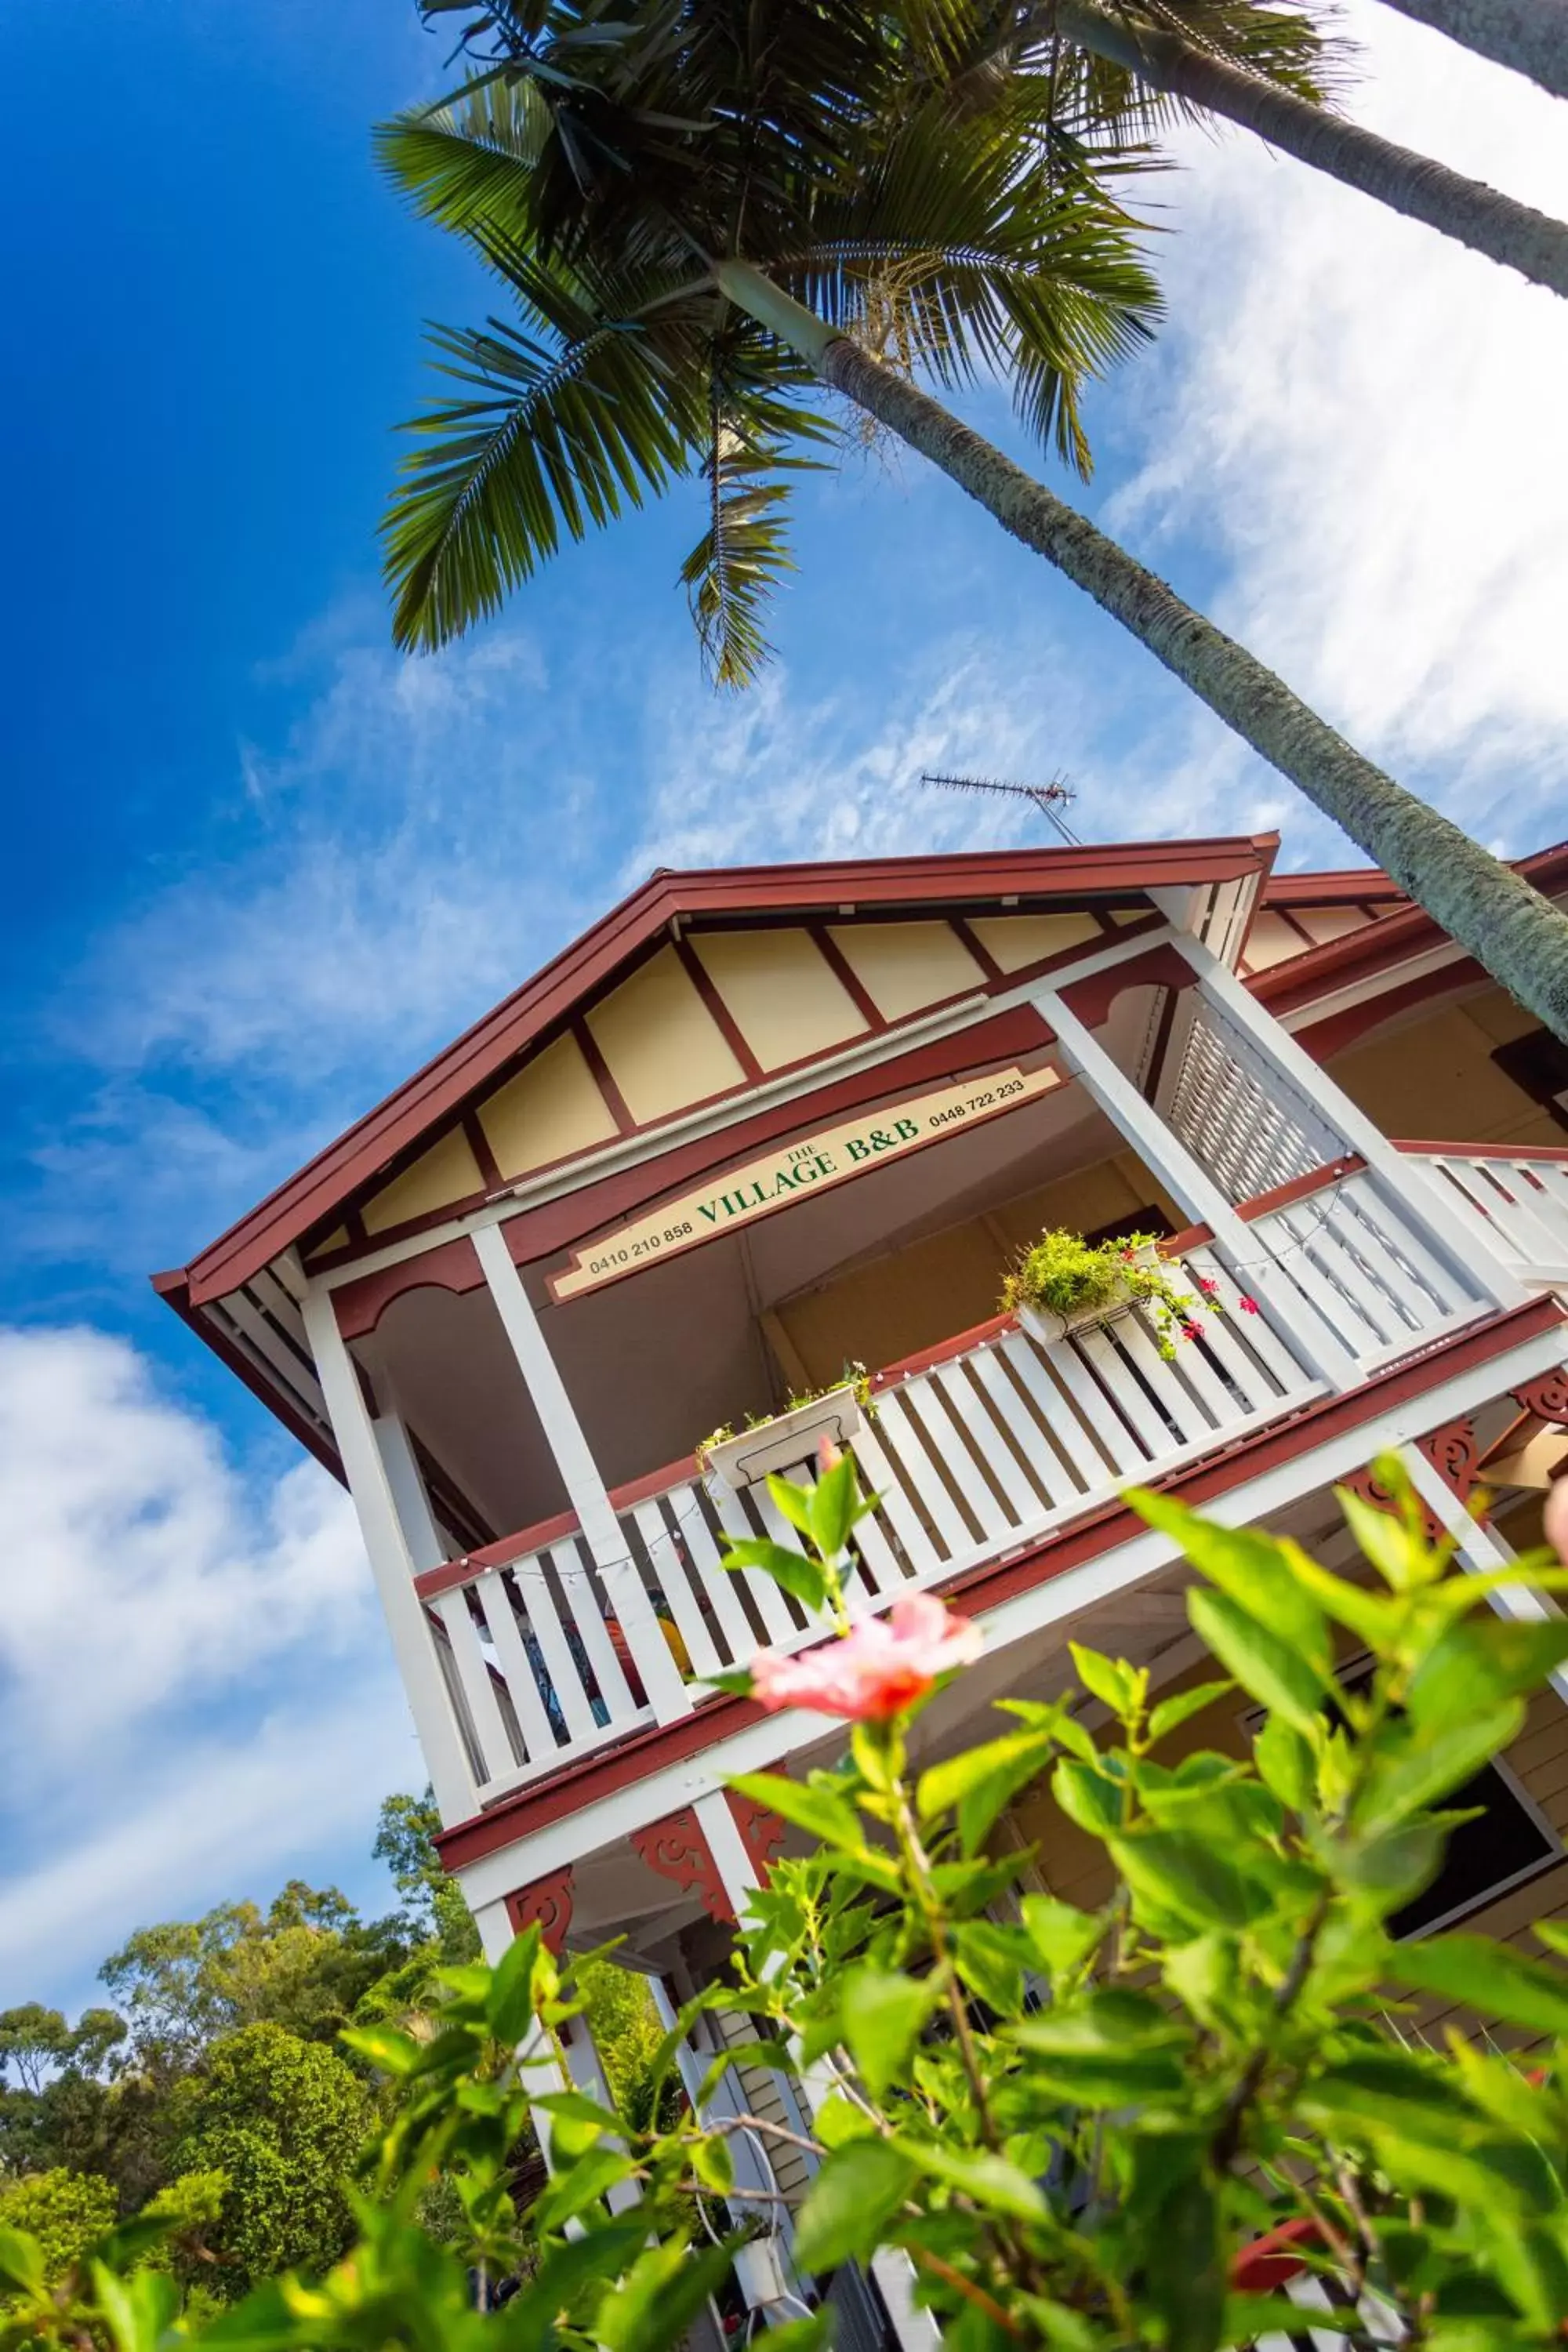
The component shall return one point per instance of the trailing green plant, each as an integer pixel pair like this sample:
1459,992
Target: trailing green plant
1063,1274
1079,2125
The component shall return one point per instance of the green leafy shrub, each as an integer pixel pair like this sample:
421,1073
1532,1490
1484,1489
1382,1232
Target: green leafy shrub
64,2212
1061,1273
1074,2122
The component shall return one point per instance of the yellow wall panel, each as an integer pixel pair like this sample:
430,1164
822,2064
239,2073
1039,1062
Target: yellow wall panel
551,1110
1017,939
663,1046
786,999
447,1171
336,1240
904,966
1134,914
1324,923
1271,941
1435,1080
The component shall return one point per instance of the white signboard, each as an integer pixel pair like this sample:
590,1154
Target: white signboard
788,1170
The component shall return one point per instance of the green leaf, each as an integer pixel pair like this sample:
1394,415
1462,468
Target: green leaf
509,2003
836,1507
1489,1659
848,2206
838,2120
590,2176
530,2321
792,1570
1087,1797
1063,1936
794,1501
138,2310
883,2014
737,1680
1258,1572
1185,2276
1190,1877
1171,1713
1285,1763
991,1960
820,1812
388,2051
981,1780
660,2296
1385,1539
22,2262
990,2181
1492,1979
1430,1761
576,2123
1110,1680
714,2164
1281,1677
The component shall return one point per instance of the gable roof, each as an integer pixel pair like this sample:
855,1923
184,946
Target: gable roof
435,1093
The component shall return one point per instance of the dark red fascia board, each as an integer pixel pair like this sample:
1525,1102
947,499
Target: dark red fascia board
1361,954
444,1084
174,1290
1097,1530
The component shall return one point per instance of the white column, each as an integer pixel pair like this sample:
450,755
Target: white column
667,1695
420,1532
1415,1191
1478,1550
1190,1183
391,1564
891,2268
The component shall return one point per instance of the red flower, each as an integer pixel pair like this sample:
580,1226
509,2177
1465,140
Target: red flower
883,1667
1206,1286
1248,1306
1191,1330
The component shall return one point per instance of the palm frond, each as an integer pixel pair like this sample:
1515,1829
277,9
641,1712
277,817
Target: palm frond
548,441
733,573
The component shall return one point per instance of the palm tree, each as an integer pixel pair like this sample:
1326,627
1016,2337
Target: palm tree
1210,70
704,214
1531,36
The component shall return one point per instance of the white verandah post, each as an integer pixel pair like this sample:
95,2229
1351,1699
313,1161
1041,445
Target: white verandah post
1302,1329
393,1563
668,1693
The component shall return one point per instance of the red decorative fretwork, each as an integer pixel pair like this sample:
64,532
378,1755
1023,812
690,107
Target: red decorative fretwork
761,1831
1546,1398
1454,1455
677,1849
547,1903
1370,1490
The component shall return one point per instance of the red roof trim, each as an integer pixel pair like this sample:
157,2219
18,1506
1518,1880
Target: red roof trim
314,1194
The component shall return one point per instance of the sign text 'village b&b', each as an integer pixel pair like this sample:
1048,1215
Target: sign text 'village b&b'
813,1163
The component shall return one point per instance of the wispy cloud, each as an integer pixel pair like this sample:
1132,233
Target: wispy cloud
1362,425
194,1682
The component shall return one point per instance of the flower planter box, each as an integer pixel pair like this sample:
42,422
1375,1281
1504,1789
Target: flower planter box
786,1443
759,2272
1044,1325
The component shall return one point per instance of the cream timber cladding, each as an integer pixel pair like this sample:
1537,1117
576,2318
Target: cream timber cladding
668,1036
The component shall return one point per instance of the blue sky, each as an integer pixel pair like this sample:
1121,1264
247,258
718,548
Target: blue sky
262,866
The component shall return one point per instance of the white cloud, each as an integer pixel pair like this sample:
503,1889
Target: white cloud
194,1686
1363,422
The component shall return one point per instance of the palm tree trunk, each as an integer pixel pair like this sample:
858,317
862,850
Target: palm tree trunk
1467,210
1512,930
1531,36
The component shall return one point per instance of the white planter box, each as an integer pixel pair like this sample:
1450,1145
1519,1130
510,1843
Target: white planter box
786,1443
759,2272
1042,1323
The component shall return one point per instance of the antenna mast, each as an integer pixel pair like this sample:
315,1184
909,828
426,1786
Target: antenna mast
1049,799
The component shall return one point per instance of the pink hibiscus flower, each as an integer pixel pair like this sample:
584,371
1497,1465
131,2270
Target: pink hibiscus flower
1555,1519
884,1664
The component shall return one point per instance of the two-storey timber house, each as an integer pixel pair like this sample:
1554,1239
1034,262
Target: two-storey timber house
758,1125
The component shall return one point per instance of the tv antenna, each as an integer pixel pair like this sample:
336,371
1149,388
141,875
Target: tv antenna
1049,799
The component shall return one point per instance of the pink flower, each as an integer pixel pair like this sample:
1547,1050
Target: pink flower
1206,1286
880,1668
1248,1306
828,1454
1191,1330
1555,1517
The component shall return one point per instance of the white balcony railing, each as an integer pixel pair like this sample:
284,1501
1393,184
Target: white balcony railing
975,1448
1515,1199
